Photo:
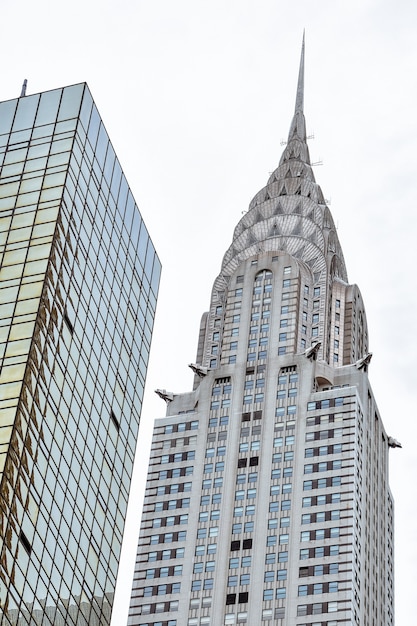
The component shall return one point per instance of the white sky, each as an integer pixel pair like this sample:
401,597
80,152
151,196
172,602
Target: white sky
196,96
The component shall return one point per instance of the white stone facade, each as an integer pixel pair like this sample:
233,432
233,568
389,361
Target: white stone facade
267,498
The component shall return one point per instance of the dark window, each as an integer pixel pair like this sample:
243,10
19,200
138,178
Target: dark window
68,323
25,542
114,419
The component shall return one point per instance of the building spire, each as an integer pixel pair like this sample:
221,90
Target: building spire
298,124
299,101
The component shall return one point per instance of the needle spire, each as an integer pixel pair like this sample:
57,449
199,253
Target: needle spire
299,101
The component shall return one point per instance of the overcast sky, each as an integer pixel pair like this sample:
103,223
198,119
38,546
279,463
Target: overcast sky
196,96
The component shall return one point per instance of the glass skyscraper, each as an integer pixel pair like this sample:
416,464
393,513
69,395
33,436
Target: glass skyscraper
267,501
79,278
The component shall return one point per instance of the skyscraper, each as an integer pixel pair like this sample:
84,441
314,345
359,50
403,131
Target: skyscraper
267,498
78,285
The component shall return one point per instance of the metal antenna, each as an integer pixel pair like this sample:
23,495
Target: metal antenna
23,92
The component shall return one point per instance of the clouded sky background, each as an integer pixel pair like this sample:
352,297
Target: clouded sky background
196,96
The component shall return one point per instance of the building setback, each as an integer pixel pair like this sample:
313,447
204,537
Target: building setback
78,285
267,498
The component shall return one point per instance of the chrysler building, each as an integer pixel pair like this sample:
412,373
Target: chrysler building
267,498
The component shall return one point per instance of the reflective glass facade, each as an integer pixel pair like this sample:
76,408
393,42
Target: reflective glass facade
78,285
